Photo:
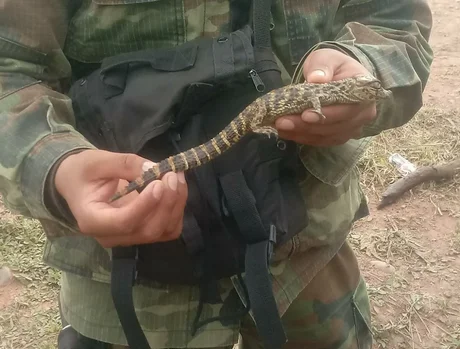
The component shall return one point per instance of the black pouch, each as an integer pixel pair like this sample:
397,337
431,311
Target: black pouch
148,92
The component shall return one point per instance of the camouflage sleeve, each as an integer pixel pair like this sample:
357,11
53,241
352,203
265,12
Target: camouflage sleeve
36,118
390,38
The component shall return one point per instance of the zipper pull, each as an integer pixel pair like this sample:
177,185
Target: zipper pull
258,83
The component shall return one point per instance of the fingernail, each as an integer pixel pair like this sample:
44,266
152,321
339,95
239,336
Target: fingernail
316,76
158,190
311,117
181,177
318,72
286,125
172,181
147,165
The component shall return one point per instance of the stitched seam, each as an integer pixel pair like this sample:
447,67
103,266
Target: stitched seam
19,89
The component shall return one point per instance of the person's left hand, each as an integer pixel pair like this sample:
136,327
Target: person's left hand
344,121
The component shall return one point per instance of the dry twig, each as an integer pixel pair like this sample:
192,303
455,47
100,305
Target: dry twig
421,175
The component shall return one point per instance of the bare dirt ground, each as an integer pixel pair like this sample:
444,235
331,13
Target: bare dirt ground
409,252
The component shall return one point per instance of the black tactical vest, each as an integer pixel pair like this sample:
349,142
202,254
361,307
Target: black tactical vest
242,204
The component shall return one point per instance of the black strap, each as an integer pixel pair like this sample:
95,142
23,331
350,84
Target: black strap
225,314
74,6
241,203
261,23
260,290
124,261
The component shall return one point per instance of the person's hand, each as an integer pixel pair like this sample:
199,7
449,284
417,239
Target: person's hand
343,122
87,181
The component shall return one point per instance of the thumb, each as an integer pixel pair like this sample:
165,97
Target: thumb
106,164
321,65
102,219
319,75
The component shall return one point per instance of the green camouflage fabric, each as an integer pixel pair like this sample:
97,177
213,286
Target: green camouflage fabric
37,45
331,312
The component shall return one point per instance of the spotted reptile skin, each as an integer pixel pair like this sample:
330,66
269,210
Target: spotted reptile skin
260,116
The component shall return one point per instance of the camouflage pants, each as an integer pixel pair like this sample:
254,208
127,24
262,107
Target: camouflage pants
332,312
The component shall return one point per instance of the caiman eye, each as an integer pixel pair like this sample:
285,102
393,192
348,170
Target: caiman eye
375,84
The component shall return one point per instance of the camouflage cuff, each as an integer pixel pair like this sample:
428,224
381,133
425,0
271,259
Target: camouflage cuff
37,168
53,200
347,49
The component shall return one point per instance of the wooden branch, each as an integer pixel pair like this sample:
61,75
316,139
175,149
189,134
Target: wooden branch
421,175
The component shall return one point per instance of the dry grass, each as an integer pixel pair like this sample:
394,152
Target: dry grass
409,309
30,320
431,137
414,289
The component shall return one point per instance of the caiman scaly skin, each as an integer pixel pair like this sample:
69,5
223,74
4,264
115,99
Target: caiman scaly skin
260,116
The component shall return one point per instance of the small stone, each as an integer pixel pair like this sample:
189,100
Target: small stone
383,266
5,276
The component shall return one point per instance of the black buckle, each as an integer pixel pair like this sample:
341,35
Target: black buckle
271,243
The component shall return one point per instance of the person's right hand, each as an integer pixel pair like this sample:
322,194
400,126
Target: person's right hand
88,179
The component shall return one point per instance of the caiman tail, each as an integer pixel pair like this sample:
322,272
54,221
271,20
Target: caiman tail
193,157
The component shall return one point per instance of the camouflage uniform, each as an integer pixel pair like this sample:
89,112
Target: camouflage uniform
316,280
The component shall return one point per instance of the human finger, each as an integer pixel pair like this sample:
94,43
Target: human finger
177,212
340,113
99,218
326,64
158,222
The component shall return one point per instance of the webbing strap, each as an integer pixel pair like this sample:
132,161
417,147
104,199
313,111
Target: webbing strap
123,276
261,23
263,305
241,203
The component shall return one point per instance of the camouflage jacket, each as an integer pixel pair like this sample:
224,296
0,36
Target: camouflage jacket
37,45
